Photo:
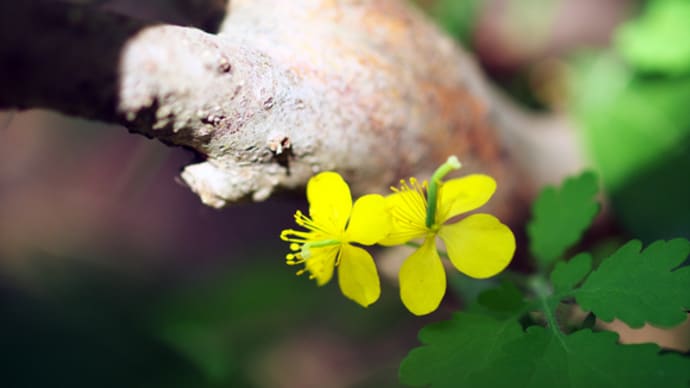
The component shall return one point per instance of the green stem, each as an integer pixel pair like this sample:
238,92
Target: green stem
432,192
540,286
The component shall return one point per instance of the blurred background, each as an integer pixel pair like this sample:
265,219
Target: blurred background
113,274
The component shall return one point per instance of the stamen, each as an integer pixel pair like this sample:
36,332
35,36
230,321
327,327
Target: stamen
294,259
307,222
413,210
296,236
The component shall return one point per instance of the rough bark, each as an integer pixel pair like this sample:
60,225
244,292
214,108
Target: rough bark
285,89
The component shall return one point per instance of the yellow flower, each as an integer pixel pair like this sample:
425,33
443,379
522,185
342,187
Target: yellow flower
479,245
334,224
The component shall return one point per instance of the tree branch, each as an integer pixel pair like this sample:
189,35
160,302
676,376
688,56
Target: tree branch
370,89
63,57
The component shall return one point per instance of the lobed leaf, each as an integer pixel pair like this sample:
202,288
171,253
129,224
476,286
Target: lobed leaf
585,359
640,286
473,350
568,274
455,351
561,216
502,302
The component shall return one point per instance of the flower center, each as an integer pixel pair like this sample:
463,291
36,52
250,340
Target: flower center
305,249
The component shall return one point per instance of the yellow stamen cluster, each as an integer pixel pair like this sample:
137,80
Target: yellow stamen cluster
301,243
413,195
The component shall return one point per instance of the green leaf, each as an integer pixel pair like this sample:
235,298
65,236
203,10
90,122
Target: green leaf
638,287
582,359
560,217
658,41
457,349
568,274
473,350
504,301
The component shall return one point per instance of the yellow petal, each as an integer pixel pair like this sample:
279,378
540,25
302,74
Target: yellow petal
408,217
423,279
357,275
369,222
464,194
321,263
479,246
330,201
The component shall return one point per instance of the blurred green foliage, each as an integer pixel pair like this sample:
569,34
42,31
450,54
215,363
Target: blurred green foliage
457,18
224,323
84,326
658,41
633,103
87,326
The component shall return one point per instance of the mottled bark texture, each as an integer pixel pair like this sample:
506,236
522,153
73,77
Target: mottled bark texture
284,89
